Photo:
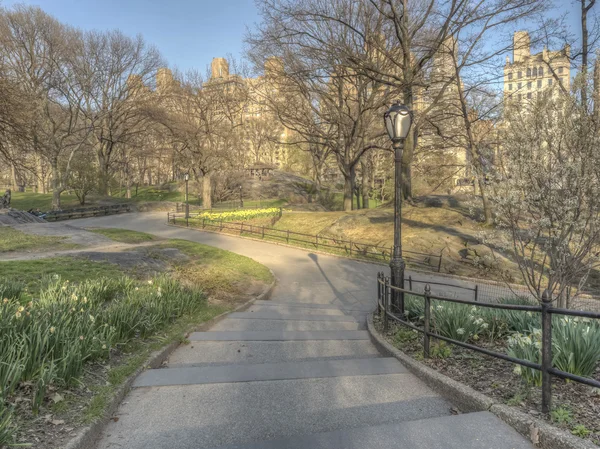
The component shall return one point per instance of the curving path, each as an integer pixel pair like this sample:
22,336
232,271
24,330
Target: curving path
298,371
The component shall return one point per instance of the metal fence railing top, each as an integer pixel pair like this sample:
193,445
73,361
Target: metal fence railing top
386,294
352,248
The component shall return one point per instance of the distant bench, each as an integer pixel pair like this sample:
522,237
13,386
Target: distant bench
87,212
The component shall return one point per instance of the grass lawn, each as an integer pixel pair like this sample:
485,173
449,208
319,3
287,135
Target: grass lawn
31,272
217,270
43,201
15,240
125,235
218,279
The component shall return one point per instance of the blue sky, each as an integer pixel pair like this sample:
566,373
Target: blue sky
189,33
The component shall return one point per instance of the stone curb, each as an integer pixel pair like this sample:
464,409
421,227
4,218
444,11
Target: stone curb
539,432
88,436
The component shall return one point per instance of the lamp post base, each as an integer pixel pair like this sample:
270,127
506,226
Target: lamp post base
397,267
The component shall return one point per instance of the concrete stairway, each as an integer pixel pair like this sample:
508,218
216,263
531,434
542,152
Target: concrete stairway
289,376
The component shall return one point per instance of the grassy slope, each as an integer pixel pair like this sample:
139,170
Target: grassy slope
15,240
124,235
30,272
424,229
43,201
211,269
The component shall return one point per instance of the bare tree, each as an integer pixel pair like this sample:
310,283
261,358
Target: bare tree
110,66
201,120
548,199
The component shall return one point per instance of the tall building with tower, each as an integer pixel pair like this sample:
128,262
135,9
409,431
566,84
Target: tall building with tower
529,75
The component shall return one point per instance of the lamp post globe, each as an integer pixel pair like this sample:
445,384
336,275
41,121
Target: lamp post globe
398,120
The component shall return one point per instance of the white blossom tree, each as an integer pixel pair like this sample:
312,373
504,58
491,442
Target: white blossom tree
548,197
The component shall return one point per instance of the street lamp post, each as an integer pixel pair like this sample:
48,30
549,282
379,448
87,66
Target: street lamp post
398,120
187,205
241,198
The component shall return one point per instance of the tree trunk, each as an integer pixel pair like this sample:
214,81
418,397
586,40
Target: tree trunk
406,181
584,49
56,188
128,190
104,181
366,184
41,185
357,193
13,178
206,191
348,194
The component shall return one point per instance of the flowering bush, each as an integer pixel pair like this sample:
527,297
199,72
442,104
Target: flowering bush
457,321
240,215
504,322
575,348
47,340
576,345
527,347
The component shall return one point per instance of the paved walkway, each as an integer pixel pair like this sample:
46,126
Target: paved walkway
298,371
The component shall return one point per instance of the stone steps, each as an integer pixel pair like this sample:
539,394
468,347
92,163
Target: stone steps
207,353
278,335
204,416
446,432
269,372
286,325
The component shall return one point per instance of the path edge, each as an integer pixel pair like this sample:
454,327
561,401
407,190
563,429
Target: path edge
455,277
88,436
538,432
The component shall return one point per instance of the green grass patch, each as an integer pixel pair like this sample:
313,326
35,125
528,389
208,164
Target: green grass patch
43,201
215,269
31,272
125,235
15,240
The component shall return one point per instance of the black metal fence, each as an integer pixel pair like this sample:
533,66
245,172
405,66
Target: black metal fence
226,205
347,247
86,212
482,291
384,293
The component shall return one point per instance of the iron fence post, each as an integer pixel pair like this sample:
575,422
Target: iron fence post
410,283
546,352
427,321
386,297
288,236
263,232
476,291
241,227
203,222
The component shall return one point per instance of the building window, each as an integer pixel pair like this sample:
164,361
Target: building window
528,72
539,84
529,85
560,69
510,86
529,95
519,86
549,81
535,71
520,75
510,76
541,71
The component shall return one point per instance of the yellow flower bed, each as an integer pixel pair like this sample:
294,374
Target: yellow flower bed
240,215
